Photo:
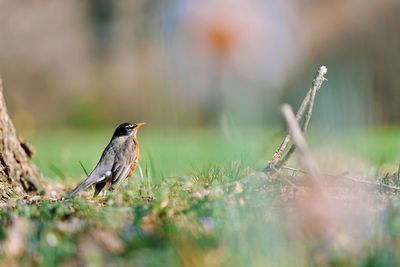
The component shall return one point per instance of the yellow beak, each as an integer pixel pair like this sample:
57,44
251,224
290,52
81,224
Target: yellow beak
138,125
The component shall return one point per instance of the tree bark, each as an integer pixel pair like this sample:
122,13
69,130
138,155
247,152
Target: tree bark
18,175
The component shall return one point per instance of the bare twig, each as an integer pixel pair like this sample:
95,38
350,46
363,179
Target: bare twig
298,139
293,169
310,97
276,162
346,177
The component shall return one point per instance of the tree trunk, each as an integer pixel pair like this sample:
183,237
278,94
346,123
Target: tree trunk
18,175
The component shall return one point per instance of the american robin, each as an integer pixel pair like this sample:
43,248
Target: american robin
118,161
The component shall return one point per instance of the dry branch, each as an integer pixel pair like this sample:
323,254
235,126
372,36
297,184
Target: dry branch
298,139
345,177
308,102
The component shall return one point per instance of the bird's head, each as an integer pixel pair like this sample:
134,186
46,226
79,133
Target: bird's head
128,129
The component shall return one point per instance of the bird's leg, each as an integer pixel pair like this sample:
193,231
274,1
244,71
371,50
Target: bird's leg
109,192
99,187
112,187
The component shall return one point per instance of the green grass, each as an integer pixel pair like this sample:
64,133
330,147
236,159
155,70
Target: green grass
172,153
195,207
167,153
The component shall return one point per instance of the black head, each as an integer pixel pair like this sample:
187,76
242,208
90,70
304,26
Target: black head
127,129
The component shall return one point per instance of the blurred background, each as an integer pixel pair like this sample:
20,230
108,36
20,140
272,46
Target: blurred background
226,65
208,77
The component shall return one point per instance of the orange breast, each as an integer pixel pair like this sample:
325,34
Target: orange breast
136,156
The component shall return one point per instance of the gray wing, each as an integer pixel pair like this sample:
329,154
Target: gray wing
100,172
123,164
103,169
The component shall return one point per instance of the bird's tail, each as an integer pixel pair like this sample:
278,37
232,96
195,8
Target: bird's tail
82,186
77,189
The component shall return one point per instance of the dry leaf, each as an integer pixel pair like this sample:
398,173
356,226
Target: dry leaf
164,203
238,187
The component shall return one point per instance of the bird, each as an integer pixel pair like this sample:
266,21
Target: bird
118,161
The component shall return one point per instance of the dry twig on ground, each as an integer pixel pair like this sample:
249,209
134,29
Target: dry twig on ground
308,102
343,176
296,134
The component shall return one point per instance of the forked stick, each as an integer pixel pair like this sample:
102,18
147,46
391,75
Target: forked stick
277,161
296,134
